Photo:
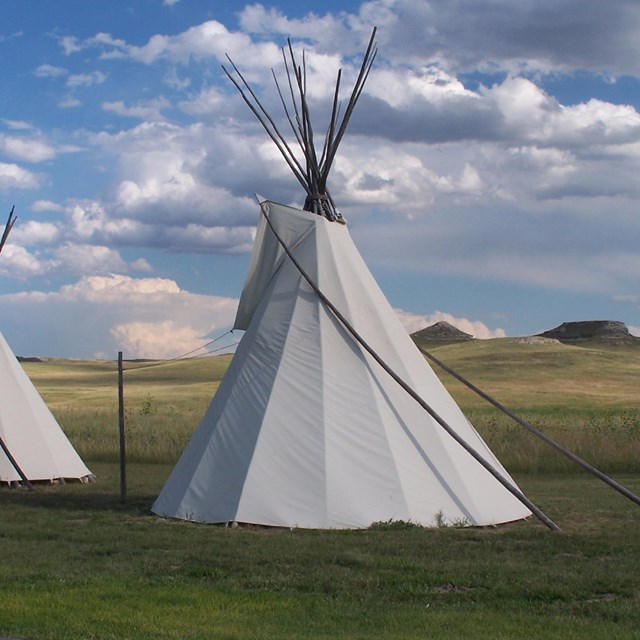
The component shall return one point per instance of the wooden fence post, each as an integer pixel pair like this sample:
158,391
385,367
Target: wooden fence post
123,455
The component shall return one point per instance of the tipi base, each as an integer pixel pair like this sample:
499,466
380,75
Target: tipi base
18,484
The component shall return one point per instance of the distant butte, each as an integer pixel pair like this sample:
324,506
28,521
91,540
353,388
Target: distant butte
441,332
605,331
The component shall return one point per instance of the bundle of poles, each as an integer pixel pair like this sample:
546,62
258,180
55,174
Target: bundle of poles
313,172
7,228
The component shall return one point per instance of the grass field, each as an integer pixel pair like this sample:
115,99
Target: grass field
78,564
586,398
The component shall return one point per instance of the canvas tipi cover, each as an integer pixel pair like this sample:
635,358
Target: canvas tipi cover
306,429
29,430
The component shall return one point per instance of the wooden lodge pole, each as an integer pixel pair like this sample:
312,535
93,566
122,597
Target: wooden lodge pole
15,465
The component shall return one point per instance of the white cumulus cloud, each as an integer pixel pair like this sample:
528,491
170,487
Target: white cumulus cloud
145,317
86,79
13,176
26,149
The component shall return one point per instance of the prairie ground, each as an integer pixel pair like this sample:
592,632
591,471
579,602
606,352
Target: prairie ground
78,563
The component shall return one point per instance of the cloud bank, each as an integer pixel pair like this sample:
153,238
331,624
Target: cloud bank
474,154
144,318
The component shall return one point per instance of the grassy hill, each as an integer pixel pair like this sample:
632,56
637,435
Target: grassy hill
524,375
528,374
584,396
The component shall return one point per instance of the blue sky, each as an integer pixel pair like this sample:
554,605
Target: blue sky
489,175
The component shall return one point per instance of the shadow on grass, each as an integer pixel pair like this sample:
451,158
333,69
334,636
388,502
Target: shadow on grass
78,497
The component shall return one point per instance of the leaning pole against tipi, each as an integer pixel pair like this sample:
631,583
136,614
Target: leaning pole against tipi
329,416
33,447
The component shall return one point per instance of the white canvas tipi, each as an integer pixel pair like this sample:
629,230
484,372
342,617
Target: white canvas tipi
307,429
29,430
32,444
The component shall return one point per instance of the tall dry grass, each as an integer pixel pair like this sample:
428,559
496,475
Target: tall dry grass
156,435
607,439
585,399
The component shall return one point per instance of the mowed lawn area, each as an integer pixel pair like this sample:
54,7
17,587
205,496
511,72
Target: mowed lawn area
77,563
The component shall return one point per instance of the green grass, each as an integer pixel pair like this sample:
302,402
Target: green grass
78,564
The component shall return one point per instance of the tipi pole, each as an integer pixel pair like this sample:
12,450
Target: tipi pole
15,465
7,228
469,449
535,431
312,177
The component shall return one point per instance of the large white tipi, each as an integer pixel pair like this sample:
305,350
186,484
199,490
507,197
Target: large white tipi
33,447
307,429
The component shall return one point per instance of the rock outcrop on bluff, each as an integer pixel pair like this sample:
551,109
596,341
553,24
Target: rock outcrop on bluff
441,332
604,331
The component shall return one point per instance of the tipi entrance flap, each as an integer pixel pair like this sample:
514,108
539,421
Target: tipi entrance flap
268,255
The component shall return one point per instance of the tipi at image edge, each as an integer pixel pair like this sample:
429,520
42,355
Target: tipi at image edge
28,431
307,429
